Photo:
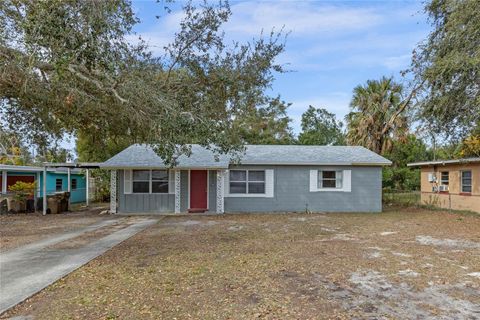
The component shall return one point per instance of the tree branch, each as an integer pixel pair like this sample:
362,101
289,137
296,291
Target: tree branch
402,108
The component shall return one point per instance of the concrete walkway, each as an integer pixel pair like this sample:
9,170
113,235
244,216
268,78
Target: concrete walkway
29,269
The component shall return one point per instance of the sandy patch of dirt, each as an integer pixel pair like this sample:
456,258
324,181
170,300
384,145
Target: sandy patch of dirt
448,243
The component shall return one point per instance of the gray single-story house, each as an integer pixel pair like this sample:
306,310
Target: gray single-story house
268,178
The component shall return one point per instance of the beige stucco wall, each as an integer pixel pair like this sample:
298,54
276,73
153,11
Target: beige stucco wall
453,199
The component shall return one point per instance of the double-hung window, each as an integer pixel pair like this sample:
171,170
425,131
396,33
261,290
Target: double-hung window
444,178
150,181
247,181
329,179
58,185
141,181
159,181
74,184
466,181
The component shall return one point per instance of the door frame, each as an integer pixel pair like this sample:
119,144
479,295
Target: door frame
208,187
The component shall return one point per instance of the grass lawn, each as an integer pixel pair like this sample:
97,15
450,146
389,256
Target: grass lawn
403,263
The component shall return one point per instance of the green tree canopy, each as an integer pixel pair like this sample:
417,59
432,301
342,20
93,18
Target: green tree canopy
67,67
320,127
398,176
268,124
447,67
378,115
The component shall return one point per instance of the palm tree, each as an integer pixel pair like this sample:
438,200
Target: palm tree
378,115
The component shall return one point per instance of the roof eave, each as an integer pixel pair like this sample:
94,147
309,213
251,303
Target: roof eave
443,162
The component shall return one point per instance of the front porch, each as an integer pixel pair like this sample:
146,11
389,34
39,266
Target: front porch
175,191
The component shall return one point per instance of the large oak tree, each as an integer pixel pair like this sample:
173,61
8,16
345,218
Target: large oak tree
447,67
67,67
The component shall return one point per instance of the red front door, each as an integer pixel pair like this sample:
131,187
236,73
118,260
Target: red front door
198,189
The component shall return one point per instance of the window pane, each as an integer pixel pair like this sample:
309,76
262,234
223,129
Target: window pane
159,187
466,174
74,184
444,179
141,175
140,187
58,184
256,187
256,176
238,187
238,175
159,175
466,188
328,174
329,184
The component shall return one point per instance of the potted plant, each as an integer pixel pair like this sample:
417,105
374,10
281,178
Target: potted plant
22,190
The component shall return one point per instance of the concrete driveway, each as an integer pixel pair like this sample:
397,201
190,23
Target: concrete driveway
26,270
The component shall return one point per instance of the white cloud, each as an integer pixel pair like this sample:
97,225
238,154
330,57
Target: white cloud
249,18
302,18
398,62
334,102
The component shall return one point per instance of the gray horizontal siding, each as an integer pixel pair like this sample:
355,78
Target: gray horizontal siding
212,191
291,192
131,203
184,196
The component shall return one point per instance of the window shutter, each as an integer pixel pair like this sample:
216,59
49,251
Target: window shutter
347,180
127,181
313,180
269,183
171,181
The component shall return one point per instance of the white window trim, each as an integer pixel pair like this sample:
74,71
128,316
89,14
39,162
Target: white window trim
128,182
346,181
269,185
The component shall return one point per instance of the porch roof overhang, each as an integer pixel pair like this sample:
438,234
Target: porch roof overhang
6,167
79,165
444,162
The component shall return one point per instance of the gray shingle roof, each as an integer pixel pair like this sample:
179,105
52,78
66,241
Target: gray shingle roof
143,156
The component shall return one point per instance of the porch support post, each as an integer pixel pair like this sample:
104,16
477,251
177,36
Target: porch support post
220,191
44,206
177,191
69,186
113,191
4,182
87,177
36,192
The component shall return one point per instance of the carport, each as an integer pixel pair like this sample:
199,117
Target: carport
87,166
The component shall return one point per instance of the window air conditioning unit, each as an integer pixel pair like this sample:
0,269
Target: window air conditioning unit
442,188
431,177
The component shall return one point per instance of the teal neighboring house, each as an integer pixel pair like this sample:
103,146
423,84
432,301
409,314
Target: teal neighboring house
57,180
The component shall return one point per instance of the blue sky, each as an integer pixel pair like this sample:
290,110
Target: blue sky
332,46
